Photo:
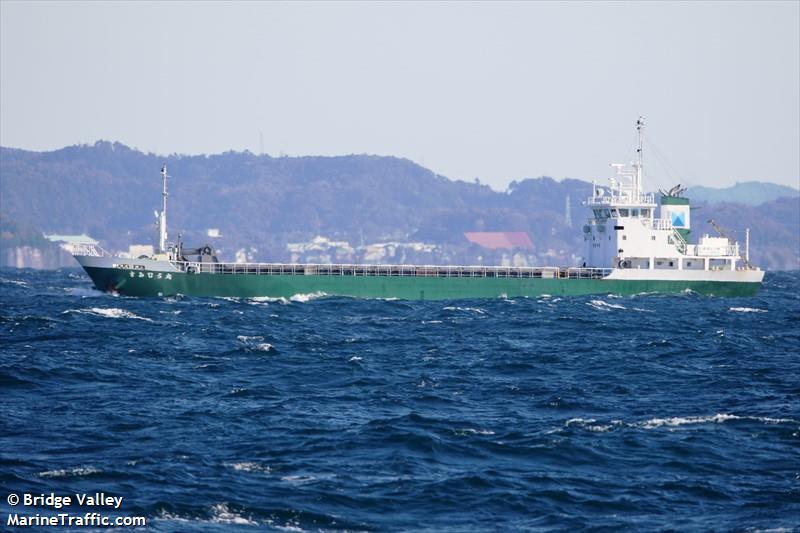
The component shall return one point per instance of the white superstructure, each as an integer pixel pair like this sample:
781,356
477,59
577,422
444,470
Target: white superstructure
630,233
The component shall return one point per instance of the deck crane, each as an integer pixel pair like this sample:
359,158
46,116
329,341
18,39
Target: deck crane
731,240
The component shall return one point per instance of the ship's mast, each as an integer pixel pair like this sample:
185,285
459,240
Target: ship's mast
162,220
639,135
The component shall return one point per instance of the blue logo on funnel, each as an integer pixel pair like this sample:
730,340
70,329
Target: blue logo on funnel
677,220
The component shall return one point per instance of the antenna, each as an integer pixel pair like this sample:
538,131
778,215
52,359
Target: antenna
639,155
162,220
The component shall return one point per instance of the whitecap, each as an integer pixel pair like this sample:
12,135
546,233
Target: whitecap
266,300
113,312
298,480
604,306
746,310
303,298
471,431
249,466
287,527
254,343
69,472
354,359
248,338
589,424
476,310
165,515
84,292
579,421
221,514
17,282
770,420
718,418
682,421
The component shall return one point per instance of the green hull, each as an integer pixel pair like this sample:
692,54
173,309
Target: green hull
405,288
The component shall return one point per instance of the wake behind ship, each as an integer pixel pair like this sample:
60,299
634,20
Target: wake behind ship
632,246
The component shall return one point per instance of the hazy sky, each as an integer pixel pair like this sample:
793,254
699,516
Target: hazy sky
498,91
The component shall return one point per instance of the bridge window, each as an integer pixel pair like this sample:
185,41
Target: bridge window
634,212
623,212
614,213
598,213
646,213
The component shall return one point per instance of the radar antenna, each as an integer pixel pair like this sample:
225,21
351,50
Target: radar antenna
677,191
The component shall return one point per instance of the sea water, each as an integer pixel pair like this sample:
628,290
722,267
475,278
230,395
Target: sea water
320,413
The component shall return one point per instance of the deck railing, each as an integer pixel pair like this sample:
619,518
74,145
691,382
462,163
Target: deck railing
94,250
287,269
647,200
730,250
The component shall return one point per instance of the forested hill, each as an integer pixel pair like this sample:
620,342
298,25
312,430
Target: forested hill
109,191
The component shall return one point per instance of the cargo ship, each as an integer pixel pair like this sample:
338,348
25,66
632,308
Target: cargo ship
633,245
